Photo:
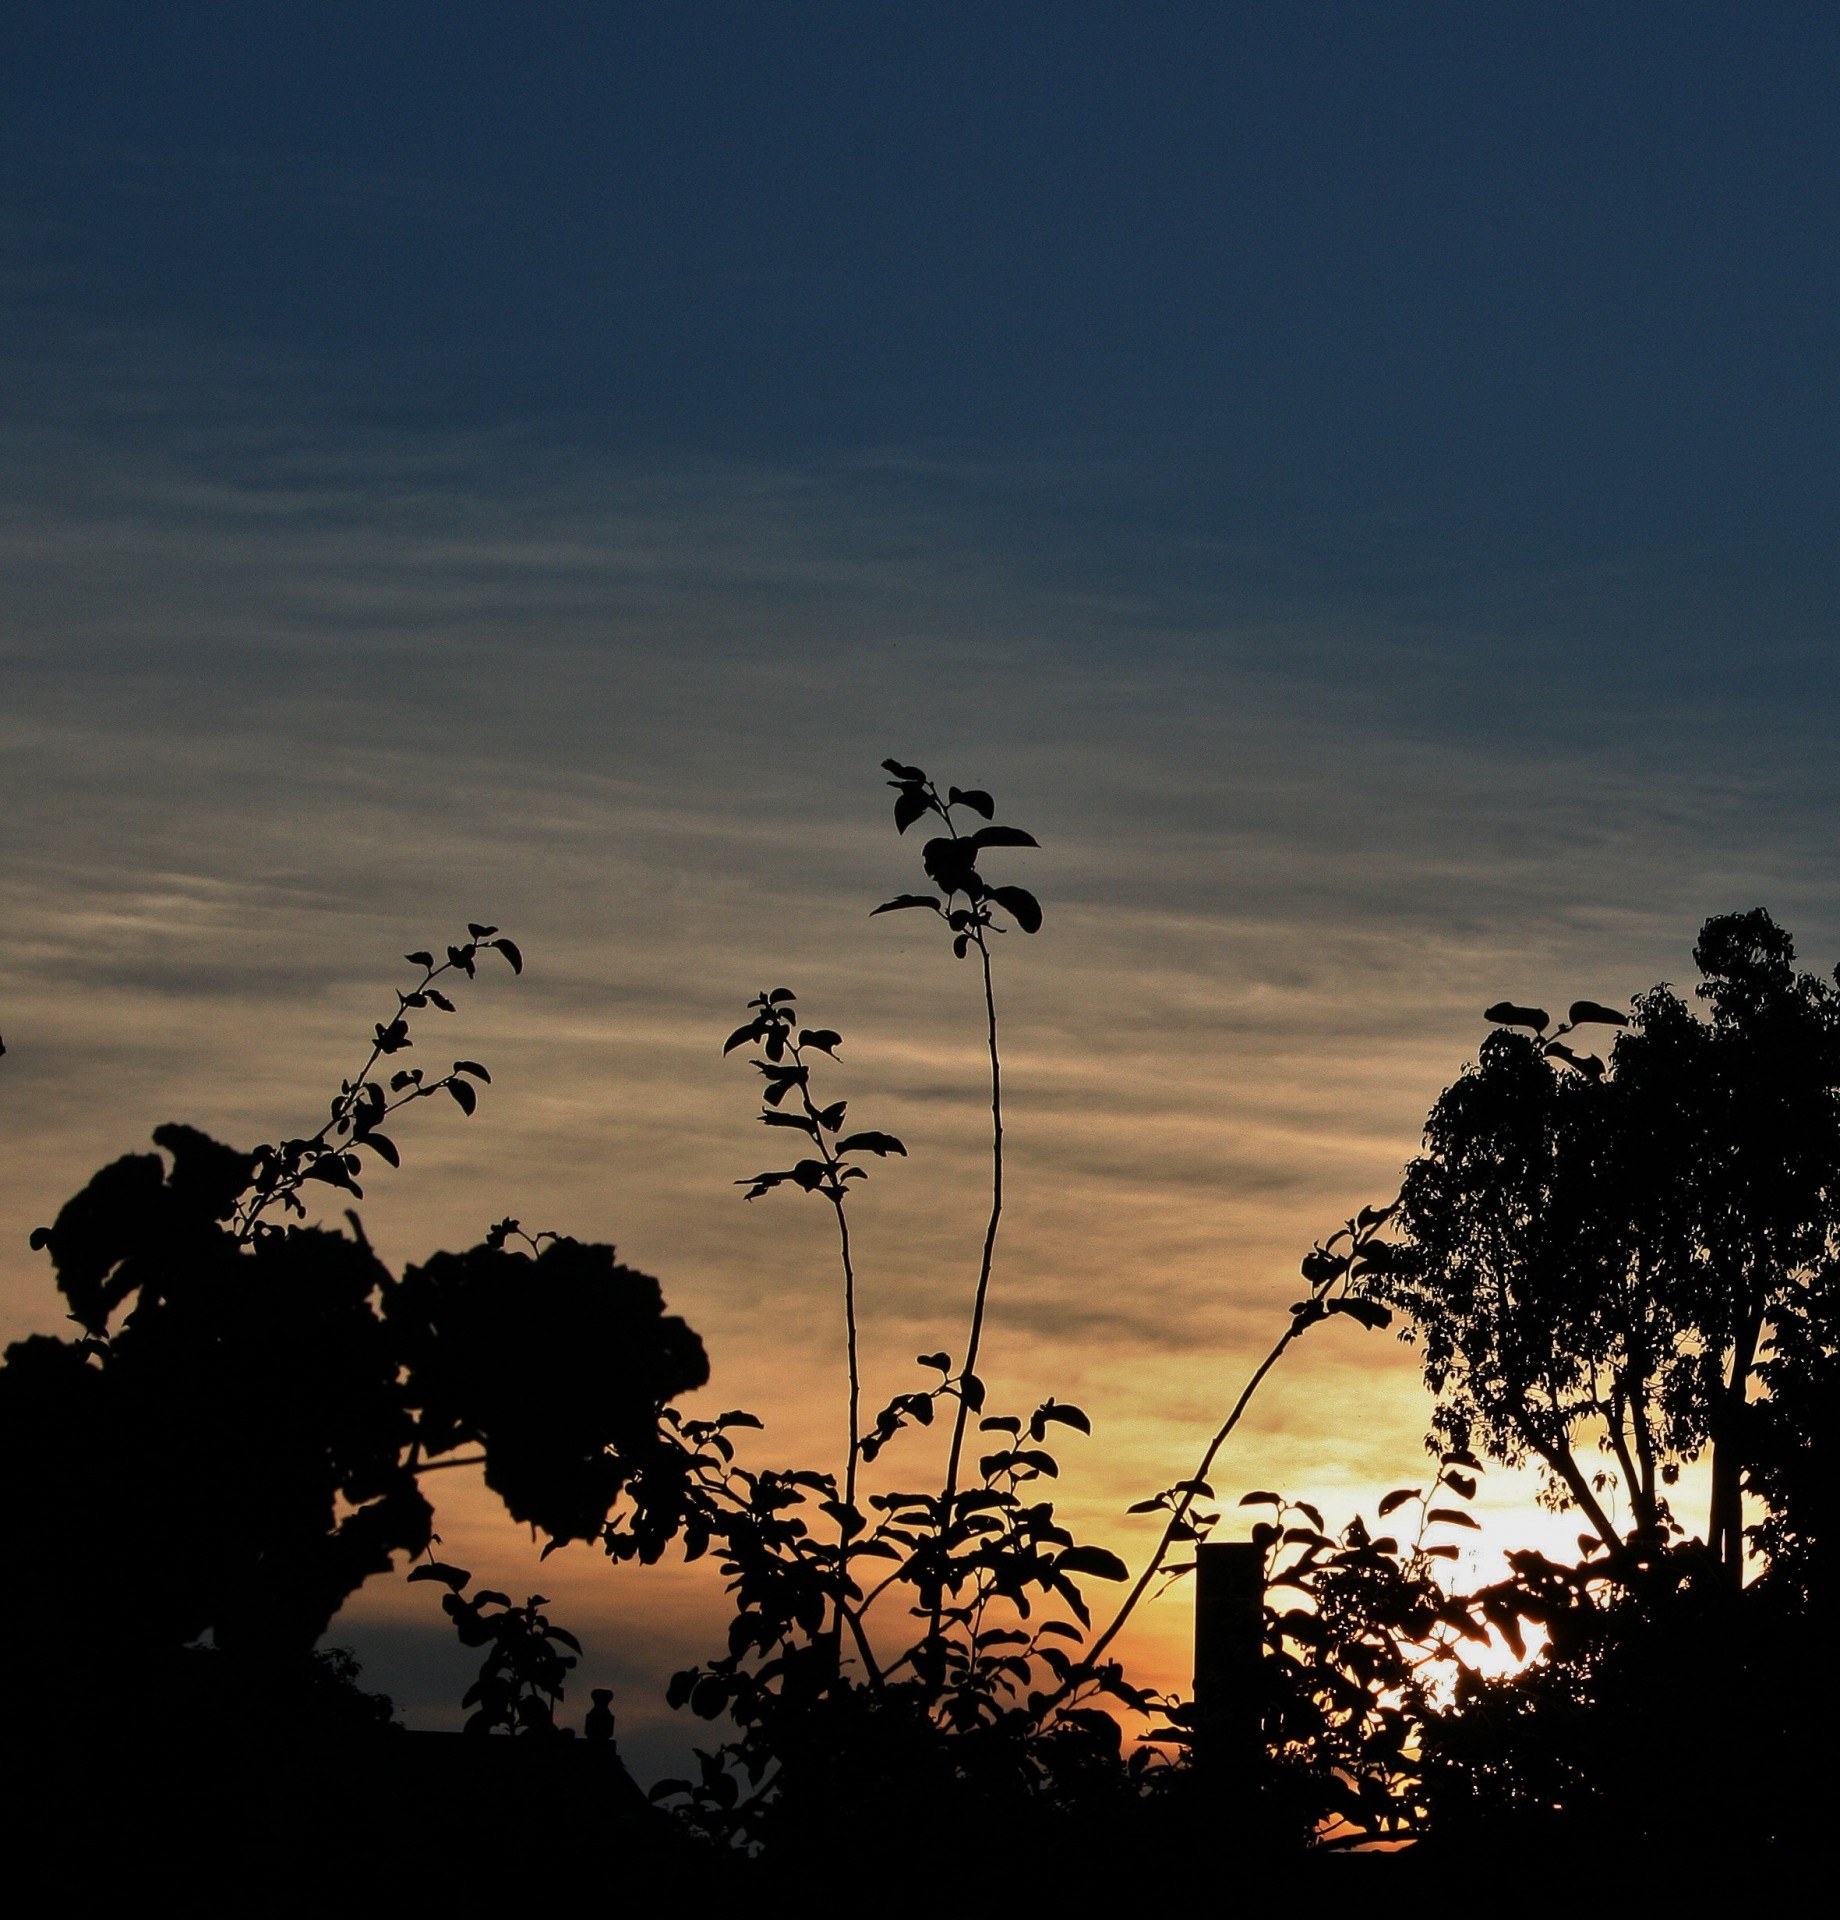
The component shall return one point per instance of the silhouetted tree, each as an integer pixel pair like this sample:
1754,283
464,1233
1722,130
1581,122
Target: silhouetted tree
1633,1254
234,1441
1640,1255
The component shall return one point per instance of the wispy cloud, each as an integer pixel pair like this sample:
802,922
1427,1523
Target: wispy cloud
283,705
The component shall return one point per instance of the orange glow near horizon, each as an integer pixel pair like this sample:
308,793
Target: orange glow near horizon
1250,986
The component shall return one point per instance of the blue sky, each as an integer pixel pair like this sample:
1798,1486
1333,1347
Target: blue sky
1507,318
1356,480
1555,278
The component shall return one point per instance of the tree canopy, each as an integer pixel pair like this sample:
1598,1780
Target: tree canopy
1639,1253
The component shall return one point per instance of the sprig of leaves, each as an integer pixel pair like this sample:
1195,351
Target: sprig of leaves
950,860
787,1101
364,1102
521,1681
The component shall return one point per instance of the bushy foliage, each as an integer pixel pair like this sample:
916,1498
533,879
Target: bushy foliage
235,1441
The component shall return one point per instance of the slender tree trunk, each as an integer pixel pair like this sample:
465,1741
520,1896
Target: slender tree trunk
1559,1459
1725,1522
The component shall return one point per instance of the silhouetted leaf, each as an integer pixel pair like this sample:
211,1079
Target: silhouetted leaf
911,803
419,960
509,948
1093,1560
973,797
1591,1013
385,1147
1261,1499
1022,903
1397,1499
1504,1013
440,1000
452,1578
904,773
741,1036
1146,1506
464,1096
480,933
474,1068
905,900
823,1038
940,1362
1068,1416
1369,1312
1000,837
882,1143
1453,1517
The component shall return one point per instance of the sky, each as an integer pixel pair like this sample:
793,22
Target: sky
1355,481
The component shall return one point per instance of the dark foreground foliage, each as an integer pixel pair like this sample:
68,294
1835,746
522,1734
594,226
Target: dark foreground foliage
1615,1265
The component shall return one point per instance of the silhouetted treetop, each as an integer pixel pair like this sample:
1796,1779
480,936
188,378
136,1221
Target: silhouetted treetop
140,1228
1632,1255
559,1365
225,1402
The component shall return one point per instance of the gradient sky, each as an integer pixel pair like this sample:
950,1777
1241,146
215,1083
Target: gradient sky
1356,480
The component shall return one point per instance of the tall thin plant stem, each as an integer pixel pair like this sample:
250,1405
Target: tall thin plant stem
982,1295
950,865
849,1335
835,1194
1178,1514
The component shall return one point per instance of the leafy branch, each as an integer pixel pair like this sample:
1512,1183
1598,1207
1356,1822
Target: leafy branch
363,1103
775,1030
1328,1273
